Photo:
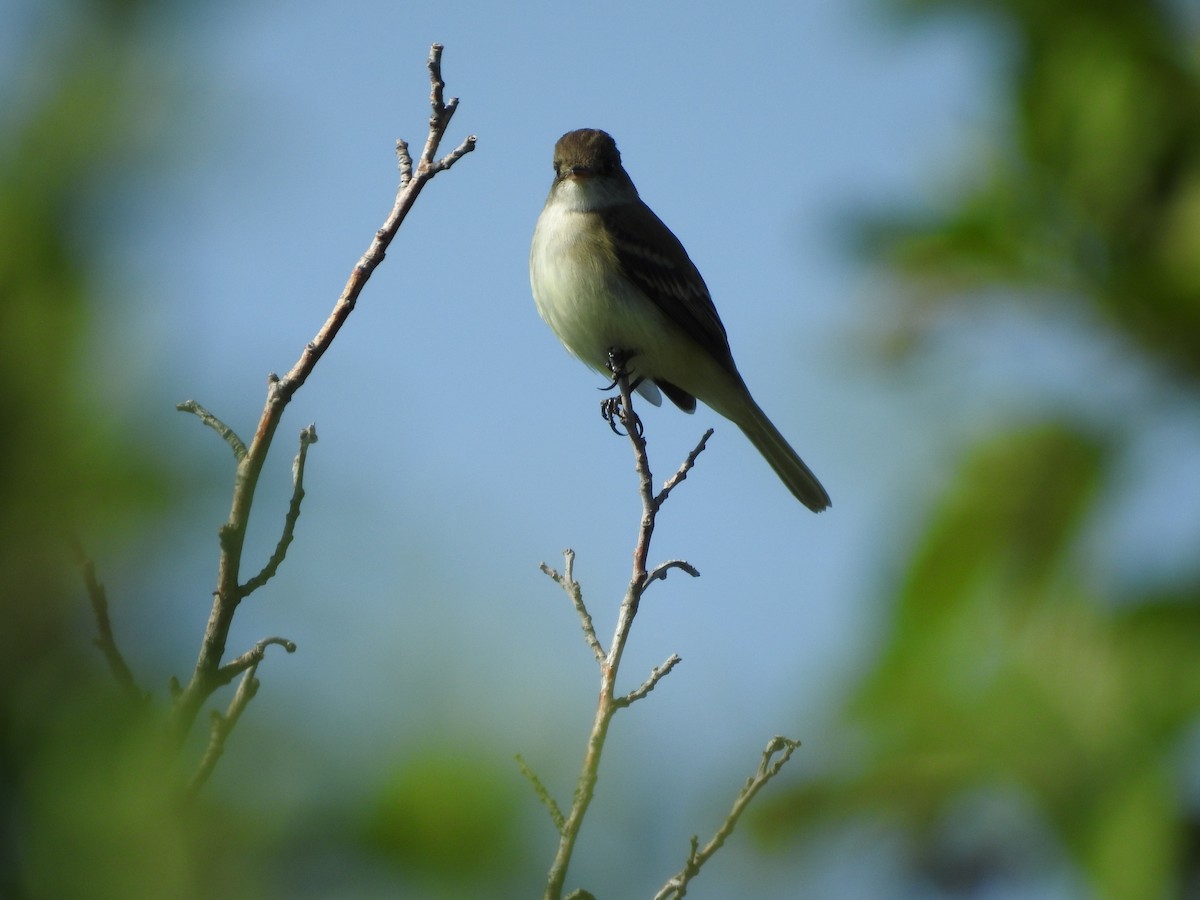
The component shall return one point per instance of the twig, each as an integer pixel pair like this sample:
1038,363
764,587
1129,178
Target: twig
204,679
661,570
556,815
568,583
251,658
682,473
656,675
104,637
774,758
307,437
222,725
608,702
227,434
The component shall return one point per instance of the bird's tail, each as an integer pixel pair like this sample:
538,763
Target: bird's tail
783,459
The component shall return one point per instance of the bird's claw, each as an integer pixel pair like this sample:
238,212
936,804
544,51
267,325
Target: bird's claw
610,411
613,408
613,411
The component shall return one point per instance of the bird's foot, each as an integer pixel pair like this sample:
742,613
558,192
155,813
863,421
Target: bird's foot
616,414
613,409
610,411
618,365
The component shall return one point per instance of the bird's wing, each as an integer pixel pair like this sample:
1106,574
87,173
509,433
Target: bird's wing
667,276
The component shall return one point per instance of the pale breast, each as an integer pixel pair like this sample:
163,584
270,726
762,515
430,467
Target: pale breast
582,296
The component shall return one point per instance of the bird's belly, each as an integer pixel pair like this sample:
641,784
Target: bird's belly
592,316
592,309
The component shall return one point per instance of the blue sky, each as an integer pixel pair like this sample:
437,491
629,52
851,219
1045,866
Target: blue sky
460,445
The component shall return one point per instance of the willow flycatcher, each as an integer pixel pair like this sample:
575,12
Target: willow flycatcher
609,277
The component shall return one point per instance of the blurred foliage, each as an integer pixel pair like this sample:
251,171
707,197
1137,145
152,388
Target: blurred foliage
88,805
1094,196
1005,670
447,819
1012,677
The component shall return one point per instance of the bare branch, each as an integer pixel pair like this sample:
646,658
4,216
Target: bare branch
251,658
438,120
457,153
682,473
227,434
222,725
661,570
568,583
229,592
656,675
105,640
556,815
608,702
635,433
307,436
774,758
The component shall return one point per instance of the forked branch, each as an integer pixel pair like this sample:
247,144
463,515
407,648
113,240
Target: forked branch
774,758
222,725
208,674
610,662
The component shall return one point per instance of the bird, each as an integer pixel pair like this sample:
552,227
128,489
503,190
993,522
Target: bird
609,277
